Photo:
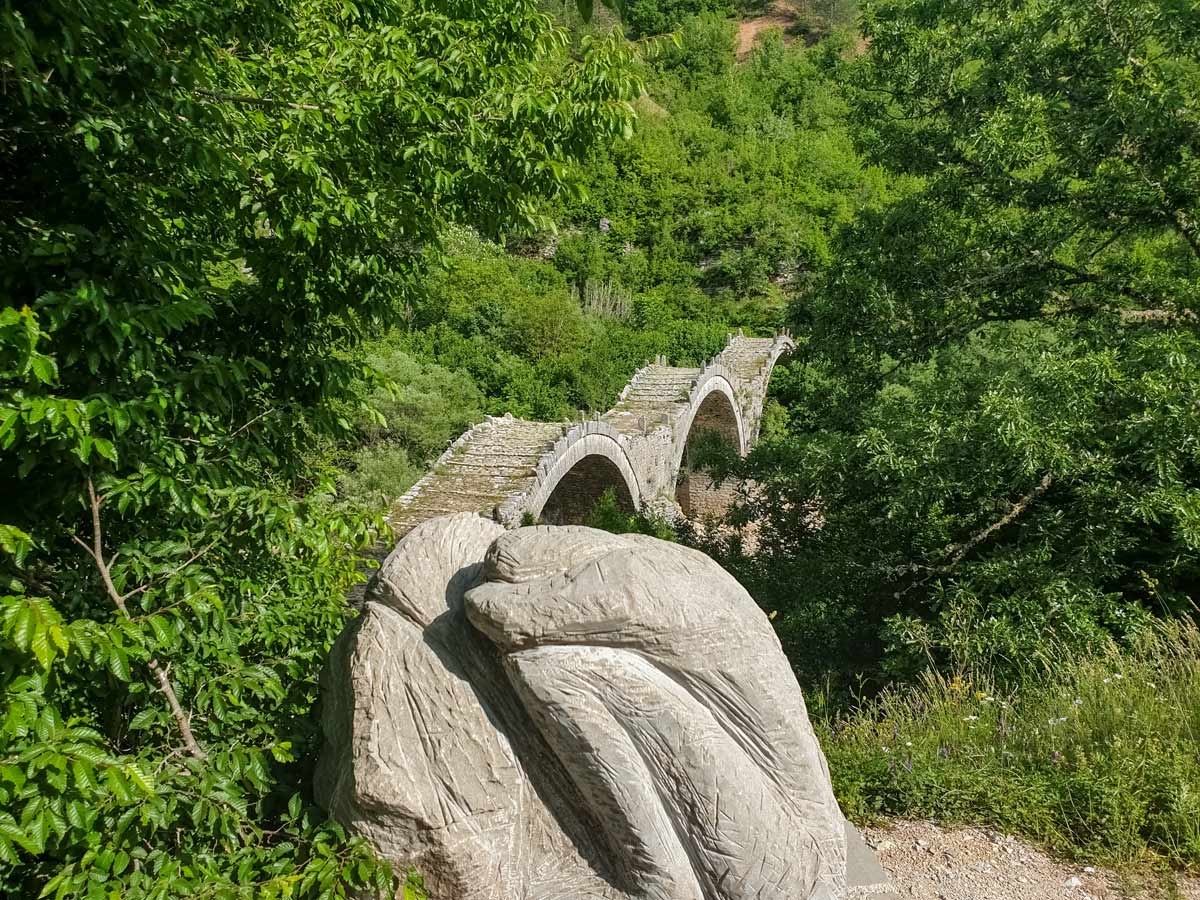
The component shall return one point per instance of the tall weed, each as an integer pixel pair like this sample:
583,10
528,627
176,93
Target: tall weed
1099,758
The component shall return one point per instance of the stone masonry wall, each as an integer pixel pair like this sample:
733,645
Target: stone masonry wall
699,499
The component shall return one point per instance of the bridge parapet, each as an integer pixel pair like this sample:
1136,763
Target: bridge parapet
484,466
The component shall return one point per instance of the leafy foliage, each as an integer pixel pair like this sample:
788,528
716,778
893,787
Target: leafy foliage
207,207
993,424
733,183
658,16
515,326
607,515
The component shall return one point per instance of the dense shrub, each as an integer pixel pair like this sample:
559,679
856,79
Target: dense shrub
607,515
644,17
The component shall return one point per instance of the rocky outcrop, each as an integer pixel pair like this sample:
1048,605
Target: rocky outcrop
558,713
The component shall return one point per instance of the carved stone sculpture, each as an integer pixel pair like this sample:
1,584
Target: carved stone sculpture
561,713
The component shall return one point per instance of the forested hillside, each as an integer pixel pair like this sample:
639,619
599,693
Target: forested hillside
263,261
722,203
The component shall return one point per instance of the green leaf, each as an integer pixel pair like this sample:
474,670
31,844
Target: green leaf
15,542
77,814
141,777
118,663
85,778
7,853
44,369
161,629
105,448
54,814
8,418
36,827
143,719
33,626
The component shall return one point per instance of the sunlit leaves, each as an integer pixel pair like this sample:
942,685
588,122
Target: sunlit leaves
1023,315
32,625
15,542
207,212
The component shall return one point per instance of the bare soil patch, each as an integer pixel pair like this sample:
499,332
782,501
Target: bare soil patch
778,15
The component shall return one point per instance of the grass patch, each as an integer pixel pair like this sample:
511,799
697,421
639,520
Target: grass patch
377,474
607,515
1098,759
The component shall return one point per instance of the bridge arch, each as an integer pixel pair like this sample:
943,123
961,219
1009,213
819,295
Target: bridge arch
758,394
577,472
712,406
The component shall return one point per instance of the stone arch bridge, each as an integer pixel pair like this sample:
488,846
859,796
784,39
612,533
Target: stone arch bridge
513,469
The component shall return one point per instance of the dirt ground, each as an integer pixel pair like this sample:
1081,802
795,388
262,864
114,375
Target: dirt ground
779,15
933,863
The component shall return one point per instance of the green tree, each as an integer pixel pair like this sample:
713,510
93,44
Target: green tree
645,17
608,515
206,206
731,186
994,422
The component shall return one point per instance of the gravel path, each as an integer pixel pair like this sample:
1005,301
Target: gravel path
932,863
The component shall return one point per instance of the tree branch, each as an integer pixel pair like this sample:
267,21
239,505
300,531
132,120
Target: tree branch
261,415
1186,230
250,100
1082,276
96,551
955,553
175,571
1161,316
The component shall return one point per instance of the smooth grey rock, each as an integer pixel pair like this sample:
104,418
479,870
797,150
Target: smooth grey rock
560,713
866,879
